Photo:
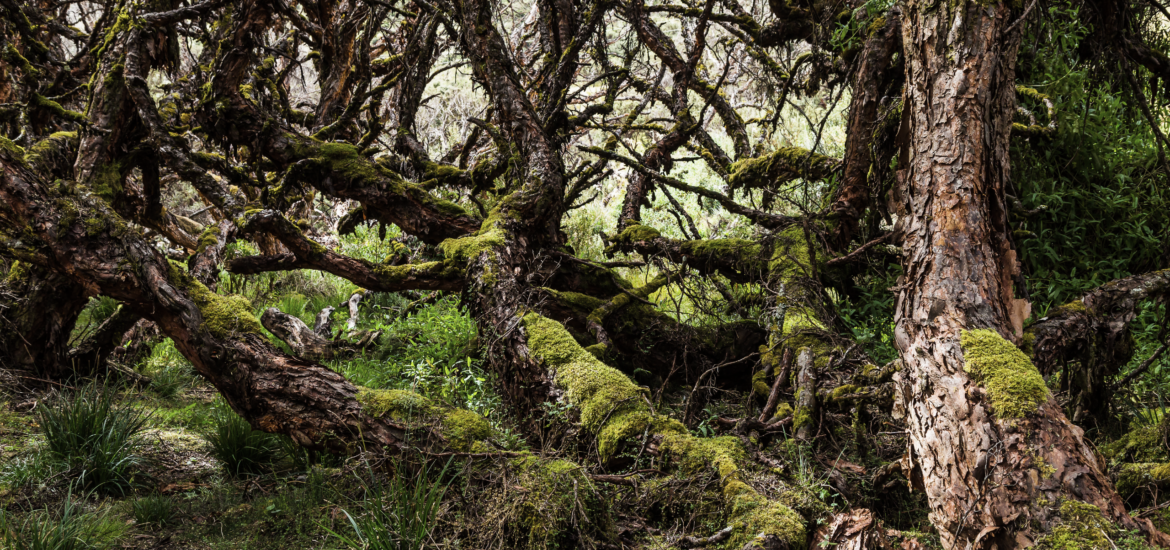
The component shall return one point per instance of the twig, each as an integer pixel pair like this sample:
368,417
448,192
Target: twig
853,255
1141,368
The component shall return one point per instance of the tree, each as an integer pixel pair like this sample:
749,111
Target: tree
105,125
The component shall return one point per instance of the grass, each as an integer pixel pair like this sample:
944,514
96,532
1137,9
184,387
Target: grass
68,529
241,450
398,514
153,510
95,437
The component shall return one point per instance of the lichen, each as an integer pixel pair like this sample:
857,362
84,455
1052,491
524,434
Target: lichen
1013,384
223,316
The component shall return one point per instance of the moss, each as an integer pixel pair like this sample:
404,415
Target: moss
549,504
209,238
461,428
489,236
598,351
783,410
47,104
842,391
760,385
57,143
106,181
1083,527
1068,309
600,391
15,152
1013,384
392,275
397,404
1133,477
637,232
614,408
223,316
781,166
1143,444
743,253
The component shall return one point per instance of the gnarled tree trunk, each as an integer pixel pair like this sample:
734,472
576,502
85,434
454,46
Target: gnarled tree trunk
993,451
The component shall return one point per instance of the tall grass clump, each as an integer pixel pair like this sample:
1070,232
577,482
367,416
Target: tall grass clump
68,529
399,514
96,438
170,373
241,450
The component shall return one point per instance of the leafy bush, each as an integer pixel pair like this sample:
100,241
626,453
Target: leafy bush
241,450
97,439
399,514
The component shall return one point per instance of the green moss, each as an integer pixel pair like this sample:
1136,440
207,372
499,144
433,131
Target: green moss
783,410
1143,444
549,504
760,385
57,143
1070,308
1083,527
15,152
755,518
1135,476
744,254
397,404
392,275
690,455
1013,384
209,238
47,104
461,428
637,232
598,390
781,166
106,181
490,235
223,316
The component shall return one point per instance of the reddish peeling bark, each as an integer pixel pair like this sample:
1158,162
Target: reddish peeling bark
982,474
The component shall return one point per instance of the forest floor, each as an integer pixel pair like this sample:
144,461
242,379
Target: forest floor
195,477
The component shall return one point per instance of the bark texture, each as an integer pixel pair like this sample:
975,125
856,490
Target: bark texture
995,473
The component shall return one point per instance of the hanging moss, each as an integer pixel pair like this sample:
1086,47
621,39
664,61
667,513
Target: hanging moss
1013,384
223,316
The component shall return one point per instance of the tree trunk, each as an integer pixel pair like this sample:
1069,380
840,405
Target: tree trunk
994,452
38,309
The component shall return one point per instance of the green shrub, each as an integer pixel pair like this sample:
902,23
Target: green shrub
95,438
241,450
